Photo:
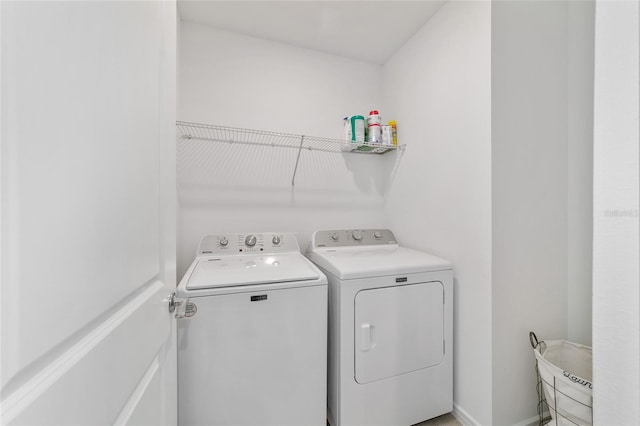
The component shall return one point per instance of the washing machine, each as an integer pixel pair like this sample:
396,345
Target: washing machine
252,334
390,329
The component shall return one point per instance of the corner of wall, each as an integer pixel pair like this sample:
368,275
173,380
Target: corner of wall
443,112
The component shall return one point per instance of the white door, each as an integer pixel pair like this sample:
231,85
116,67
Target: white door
398,330
87,212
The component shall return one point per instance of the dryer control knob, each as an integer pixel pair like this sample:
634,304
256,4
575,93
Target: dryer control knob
377,234
250,241
275,240
335,237
224,241
357,235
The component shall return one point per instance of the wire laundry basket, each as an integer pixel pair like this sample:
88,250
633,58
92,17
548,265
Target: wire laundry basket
564,385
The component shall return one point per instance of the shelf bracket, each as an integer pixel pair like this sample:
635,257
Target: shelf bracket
295,169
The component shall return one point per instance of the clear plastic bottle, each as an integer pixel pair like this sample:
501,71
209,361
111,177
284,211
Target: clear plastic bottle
373,124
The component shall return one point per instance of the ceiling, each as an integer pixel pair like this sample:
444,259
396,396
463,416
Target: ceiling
365,30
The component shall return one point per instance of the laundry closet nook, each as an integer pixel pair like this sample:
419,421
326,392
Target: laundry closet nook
481,97
131,130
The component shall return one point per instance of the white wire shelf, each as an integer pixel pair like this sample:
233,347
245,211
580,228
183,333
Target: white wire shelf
213,133
187,133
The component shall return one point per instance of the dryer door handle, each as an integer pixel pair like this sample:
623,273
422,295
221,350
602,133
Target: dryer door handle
368,336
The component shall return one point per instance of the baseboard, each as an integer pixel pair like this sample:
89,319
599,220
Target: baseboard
463,417
533,421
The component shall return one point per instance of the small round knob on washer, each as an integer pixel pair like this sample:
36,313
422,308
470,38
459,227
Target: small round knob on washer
250,241
224,242
275,240
357,235
335,237
377,234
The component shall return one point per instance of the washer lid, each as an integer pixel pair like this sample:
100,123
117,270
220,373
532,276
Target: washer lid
231,271
351,263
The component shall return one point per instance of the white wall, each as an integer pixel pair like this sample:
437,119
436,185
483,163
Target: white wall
542,78
529,126
438,86
581,25
541,154
240,81
616,274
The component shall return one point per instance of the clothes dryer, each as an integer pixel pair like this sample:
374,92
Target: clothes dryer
390,329
252,341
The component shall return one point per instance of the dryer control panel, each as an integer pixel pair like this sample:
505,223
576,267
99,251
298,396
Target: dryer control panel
353,237
258,242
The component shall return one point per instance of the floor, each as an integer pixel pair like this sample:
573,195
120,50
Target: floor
445,420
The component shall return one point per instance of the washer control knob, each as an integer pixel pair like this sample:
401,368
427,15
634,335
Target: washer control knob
250,241
335,237
357,235
377,234
275,240
224,241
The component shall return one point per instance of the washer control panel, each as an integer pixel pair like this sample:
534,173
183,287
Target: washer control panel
353,237
258,242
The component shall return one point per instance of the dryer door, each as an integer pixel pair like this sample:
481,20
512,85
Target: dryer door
398,330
